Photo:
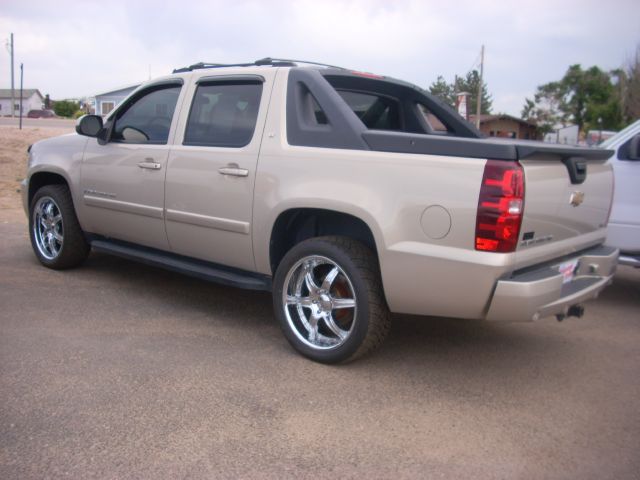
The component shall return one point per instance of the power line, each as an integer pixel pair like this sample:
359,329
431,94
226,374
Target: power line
474,64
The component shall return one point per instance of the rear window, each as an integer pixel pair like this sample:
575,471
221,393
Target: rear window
377,112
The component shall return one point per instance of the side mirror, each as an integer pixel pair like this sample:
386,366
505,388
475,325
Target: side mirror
634,148
89,125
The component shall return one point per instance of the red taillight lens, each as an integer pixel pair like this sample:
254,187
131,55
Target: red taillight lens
500,207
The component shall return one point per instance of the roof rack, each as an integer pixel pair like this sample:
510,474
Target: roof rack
267,61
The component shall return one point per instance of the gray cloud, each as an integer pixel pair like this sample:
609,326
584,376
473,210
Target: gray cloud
79,48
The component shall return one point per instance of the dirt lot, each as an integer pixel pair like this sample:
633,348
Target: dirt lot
119,370
13,164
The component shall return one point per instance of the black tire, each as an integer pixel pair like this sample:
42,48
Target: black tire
358,274
56,236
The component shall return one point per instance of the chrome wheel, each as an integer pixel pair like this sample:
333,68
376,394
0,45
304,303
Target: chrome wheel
319,302
48,228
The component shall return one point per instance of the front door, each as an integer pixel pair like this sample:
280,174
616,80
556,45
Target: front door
123,180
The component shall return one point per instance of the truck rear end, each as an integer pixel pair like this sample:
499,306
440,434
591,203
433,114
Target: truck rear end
561,199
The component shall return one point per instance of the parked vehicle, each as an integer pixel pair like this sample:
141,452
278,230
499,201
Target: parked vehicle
41,114
348,195
624,225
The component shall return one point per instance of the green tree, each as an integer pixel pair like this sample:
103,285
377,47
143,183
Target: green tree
544,109
629,88
65,108
469,83
586,98
440,88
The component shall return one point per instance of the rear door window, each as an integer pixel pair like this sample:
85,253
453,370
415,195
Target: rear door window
223,114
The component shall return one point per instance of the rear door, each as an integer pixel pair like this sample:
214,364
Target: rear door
212,167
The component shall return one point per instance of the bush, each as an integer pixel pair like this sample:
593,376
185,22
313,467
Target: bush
65,108
79,113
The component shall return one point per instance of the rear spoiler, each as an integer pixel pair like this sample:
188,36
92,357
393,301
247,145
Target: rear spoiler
503,149
529,149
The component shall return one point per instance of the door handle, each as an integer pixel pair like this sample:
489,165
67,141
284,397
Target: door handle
150,164
234,170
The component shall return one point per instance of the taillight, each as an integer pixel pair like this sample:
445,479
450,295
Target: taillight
500,207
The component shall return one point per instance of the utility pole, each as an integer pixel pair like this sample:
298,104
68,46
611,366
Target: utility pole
479,99
21,78
13,97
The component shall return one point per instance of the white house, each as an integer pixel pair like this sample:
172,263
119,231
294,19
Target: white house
107,101
32,99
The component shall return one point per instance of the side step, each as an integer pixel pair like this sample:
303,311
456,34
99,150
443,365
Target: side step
185,265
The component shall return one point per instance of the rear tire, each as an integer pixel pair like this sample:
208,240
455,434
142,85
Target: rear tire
56,236
329,301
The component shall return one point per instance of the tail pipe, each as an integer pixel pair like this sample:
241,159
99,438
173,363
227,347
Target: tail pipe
573,311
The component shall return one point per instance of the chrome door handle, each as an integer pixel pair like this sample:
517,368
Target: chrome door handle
234,170
149,164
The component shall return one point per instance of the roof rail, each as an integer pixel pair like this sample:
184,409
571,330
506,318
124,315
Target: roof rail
295,62
267,61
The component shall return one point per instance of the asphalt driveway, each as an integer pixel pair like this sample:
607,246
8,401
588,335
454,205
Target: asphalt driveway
118,370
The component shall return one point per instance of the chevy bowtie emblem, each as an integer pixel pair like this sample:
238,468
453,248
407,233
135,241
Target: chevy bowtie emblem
576,198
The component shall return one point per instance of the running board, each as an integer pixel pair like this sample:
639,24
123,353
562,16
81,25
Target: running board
185,265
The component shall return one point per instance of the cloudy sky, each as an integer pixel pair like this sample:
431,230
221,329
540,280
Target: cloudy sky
78,48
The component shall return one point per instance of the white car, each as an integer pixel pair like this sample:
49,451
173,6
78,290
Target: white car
624,224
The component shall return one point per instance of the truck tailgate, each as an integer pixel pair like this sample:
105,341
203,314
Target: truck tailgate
568,194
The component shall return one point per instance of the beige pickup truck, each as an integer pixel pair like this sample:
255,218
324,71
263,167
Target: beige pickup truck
346,194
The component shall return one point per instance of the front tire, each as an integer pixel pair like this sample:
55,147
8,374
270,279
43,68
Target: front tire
56,236
329,301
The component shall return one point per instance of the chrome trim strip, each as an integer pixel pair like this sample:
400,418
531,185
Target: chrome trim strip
209,222
120,206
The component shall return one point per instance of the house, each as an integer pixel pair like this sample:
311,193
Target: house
107,101
32,99
506,126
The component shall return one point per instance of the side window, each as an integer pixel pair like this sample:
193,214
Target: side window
376,111
223,114
434,124
312,111
148,118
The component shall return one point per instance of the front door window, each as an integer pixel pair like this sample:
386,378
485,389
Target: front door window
148,118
